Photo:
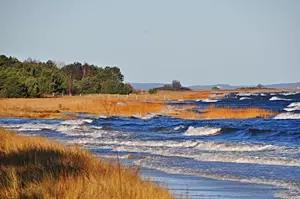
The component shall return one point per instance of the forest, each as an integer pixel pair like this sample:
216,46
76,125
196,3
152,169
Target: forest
33,78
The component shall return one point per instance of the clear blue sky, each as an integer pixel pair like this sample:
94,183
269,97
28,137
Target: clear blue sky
194,41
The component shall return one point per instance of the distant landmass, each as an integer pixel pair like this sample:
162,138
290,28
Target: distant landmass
147,86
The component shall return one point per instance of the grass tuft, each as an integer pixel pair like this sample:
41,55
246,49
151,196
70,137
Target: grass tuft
35,167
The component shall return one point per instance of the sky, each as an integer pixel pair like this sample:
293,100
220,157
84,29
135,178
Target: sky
239,42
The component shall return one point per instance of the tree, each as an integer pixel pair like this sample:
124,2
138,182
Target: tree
176,85
88,85
33,78
13,88
216,88
260,86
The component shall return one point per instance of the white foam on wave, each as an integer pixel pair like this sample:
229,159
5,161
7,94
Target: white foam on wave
292,109
202,131
77,122
209,100
246,94
31,127
102,117
145,117
295,106
284,116
231,154
290,93
148,144
278,99
189,144
293,188
221,157
240,147
178,127
245,98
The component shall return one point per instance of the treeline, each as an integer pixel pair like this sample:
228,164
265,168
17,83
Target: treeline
33,78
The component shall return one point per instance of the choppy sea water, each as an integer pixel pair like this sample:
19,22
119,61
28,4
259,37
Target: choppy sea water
252,151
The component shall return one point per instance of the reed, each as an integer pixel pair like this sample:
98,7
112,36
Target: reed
94,105
213,112
35,167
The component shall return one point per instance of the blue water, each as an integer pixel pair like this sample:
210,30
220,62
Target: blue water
259,151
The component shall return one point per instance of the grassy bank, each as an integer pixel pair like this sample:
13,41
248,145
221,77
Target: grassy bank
213,112
94,105
127,105
35,167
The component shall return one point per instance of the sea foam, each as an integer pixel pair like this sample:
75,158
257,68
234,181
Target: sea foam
283,116
202,131
278,99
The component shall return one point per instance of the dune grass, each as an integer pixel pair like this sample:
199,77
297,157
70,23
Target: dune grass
213,112
35,167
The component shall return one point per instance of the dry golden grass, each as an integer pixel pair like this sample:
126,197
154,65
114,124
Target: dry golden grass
34,167
213,112
119,105
53,107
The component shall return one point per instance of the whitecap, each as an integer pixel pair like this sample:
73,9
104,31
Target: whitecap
201,131
178,127
292,192
209,100
283,116
244,94
245,98
290,93
144,117
278,98
77,122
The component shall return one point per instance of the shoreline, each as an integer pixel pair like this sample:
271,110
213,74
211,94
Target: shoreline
191,186
143,106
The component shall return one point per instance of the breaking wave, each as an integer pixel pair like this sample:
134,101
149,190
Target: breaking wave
77,122
293,188
209,100
218,156
246,94
202,131
295,106
179,127
278,99
284,116
245,98
291,93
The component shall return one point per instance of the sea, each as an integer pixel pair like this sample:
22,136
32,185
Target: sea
222,158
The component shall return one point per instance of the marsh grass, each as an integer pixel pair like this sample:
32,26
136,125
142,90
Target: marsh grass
55,107
128,105
214,112
35,167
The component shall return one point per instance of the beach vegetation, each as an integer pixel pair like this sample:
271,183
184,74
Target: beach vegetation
36,167
33,78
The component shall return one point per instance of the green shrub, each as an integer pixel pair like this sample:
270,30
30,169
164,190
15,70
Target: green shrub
152,91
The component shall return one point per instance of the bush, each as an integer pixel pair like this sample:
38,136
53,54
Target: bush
152,91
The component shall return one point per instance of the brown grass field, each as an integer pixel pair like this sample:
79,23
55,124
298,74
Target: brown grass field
213,112
123,105
35,167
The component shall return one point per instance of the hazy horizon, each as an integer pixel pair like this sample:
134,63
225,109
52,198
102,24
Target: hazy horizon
195,42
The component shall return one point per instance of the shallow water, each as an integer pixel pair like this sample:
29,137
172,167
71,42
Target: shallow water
256,151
